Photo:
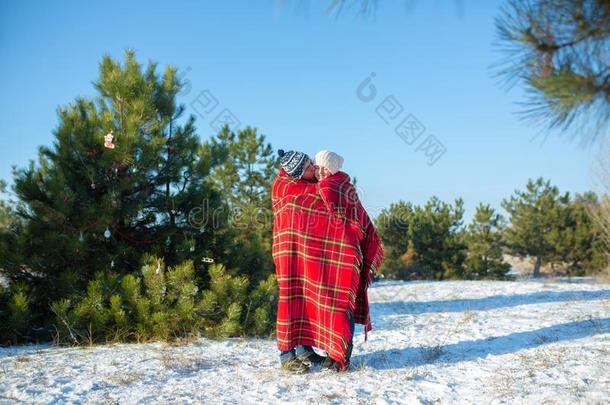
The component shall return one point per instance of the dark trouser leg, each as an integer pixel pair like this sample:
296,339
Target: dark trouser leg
303,350
350,346
307,354
286,355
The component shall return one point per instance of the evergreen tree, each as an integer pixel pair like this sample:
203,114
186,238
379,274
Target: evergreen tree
578,239
96,203
436,249
15,314
15,310
535,218
5,210
244,175
484,241
161,302
10,231
393,227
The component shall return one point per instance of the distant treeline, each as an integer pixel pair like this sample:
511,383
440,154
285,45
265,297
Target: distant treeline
550,228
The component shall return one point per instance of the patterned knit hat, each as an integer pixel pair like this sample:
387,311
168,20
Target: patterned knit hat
293,162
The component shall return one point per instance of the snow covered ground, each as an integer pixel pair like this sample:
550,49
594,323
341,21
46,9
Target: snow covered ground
433,342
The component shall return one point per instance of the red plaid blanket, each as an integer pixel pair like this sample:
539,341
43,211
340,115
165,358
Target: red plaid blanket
318,259
342,200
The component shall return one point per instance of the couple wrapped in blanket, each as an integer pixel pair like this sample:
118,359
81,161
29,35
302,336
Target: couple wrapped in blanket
325,251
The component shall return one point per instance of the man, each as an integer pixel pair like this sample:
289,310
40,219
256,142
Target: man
318,263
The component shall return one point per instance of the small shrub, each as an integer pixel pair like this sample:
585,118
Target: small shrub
15,313
165,304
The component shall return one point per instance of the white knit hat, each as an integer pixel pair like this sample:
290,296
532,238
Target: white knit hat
329,160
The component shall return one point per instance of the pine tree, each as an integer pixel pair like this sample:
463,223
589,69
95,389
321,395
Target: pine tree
95,204
11,231
578,239
436,249
15,313
535,217
393,227
15,301
161,303
244,176
5,209
484,242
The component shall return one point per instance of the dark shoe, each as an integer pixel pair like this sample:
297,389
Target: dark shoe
295,365
333,365
312,358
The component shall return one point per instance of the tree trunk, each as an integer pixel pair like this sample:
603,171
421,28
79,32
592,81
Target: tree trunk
537,266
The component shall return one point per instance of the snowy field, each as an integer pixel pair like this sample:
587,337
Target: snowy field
432,342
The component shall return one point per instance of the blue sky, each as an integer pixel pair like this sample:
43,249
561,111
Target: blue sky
292,72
